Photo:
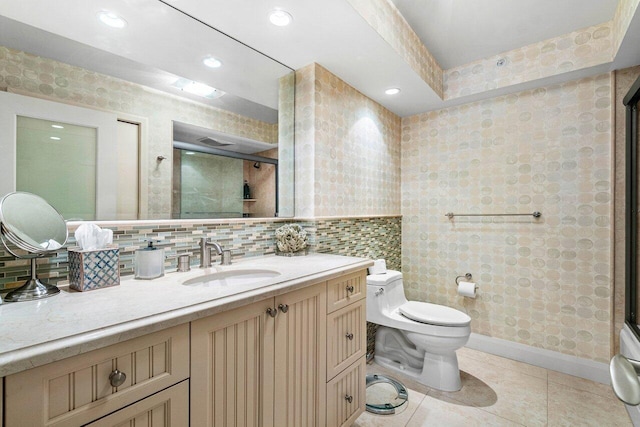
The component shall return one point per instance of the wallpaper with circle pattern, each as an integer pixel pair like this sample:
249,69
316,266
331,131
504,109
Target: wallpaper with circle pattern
546,282
624,13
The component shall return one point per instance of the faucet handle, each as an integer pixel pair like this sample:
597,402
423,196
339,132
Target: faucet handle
225,258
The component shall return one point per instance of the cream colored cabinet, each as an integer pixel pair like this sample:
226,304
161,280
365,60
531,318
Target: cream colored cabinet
346,348
261,364
83,388
168,408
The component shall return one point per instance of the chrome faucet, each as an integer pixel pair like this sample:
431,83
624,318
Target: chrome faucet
205,253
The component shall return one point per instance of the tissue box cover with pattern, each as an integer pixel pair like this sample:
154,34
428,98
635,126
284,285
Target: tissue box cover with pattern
94,269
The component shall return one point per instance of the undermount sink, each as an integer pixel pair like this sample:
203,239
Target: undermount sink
231,278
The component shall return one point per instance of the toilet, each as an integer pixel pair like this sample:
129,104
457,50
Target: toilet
417,339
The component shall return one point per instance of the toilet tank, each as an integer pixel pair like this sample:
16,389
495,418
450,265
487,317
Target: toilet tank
385,292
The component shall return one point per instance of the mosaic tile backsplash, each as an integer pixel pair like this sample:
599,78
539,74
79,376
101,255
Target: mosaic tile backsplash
368,237
545,283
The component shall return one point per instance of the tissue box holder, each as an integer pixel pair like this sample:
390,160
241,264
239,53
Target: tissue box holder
94,269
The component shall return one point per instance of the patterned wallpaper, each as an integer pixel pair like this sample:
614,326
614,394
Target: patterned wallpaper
27,74
384,17
621,20
368,237
347,149
577,50
546,283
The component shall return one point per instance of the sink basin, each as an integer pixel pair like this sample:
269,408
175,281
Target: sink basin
231,278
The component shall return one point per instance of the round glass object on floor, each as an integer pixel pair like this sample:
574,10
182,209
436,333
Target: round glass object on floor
385,395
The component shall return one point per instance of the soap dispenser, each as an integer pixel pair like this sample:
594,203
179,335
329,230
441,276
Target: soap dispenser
149,262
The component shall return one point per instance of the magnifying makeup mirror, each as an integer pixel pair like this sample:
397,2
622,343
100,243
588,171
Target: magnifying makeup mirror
32,225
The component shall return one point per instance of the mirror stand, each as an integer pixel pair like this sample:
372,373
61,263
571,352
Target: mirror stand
33,288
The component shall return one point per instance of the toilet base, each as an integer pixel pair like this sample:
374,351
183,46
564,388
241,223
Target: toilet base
395,352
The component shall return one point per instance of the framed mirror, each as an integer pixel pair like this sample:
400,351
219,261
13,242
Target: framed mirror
153,72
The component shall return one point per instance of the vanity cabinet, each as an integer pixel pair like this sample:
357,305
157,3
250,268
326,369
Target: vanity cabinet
83,388
262,364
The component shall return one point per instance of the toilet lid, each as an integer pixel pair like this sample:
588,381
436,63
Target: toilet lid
434,314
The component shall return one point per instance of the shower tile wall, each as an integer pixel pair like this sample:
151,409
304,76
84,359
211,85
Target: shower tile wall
31,75
547,282
369,237
347,149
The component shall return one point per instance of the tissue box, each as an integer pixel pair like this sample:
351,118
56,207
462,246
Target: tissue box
94,269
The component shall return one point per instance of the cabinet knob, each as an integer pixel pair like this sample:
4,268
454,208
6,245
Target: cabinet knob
117,378
272,311
349,336
350,289
283,308
348,398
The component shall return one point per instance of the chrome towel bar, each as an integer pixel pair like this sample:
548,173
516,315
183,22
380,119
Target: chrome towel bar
535,214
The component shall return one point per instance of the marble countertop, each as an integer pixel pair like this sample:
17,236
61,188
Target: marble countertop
34,333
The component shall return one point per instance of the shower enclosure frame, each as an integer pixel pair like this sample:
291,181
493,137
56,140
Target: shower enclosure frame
630,101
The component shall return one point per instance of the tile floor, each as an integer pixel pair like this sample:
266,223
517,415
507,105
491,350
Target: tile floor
502,392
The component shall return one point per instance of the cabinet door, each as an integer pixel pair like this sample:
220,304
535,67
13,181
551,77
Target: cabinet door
232,368
169,408
300,357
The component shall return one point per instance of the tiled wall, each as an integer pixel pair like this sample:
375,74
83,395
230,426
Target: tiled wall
41,77
347,149
384,17
547,282
577,50
369,237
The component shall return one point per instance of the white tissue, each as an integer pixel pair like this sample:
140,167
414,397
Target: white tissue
467,289
51,245
379,267
91,237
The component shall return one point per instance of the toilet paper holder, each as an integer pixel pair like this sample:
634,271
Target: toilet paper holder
467,276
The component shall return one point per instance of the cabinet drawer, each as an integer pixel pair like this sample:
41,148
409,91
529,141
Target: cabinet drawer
346,337
345,290
346,395
78,390
169,408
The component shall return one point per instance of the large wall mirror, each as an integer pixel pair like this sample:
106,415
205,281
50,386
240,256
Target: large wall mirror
199,125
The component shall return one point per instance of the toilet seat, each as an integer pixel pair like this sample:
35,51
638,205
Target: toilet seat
434,314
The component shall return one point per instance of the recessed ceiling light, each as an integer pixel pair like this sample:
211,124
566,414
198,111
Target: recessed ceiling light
392,91
111,19
212,62
55,138
57,126
196,88
280,17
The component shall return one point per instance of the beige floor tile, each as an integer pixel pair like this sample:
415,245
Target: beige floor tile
509,394
572,407
580,384
443,411
397,420
502,362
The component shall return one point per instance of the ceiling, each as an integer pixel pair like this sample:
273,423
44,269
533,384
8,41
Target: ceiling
328,32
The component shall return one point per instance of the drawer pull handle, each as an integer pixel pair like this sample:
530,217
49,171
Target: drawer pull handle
348,398
283,308
272,311
350,289
117,378
349,336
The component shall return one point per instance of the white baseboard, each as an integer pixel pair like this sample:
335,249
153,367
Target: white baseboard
572,365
